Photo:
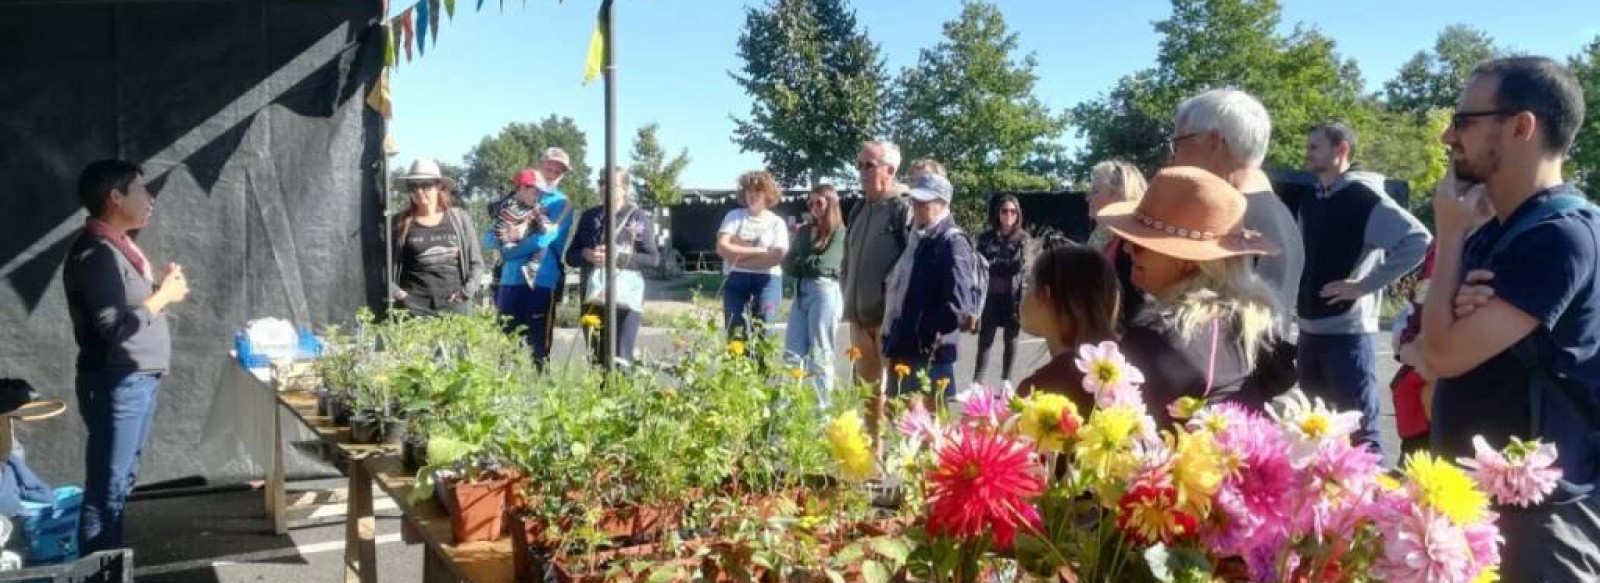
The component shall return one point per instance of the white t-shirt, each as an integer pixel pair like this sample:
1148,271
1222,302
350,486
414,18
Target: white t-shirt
767,230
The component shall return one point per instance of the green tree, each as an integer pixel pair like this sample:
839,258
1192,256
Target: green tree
496,159
816,84
1207,44
655,178
1399,145
970,103
1433,79
1584,163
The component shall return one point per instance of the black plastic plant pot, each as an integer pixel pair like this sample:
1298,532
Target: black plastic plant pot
394,432
366,427
339,410
324,403
414,454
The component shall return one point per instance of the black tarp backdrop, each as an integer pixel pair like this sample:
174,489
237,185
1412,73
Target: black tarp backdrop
248,118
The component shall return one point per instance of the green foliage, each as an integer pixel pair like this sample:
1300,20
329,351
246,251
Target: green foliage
1584,163
969,102
1400,145
1433,80
492,163
1208,44
816,84
655,178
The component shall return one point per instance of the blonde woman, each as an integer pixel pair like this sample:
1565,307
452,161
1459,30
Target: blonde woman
1114,181
1209,315
752,242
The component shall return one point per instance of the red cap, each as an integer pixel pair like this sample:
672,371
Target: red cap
526,177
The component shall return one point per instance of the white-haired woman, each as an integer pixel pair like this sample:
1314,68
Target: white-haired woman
1114,181
1209,315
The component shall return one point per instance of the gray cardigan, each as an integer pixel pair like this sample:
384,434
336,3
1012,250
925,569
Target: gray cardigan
105,298
471,258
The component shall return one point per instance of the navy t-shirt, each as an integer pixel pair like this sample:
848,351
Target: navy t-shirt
1547,272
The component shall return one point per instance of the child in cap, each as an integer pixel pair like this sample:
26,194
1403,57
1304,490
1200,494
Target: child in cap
511,211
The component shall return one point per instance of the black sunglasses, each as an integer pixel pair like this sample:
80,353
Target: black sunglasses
1172,143
1460,119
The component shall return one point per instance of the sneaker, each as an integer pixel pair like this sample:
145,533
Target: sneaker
1006,390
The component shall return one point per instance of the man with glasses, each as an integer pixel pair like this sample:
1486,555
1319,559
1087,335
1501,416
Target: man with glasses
1525,362
876,235
1226,131
1357,242
531,274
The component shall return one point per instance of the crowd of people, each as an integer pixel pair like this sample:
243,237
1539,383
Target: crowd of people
1208,282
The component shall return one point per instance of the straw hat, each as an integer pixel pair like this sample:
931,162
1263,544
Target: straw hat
427,169
1187,213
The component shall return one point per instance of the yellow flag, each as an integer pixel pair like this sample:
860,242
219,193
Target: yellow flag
378,97
599,44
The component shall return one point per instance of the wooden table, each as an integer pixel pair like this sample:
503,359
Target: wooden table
369,465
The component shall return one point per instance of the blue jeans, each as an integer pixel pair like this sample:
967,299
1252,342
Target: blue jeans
757,294
911,384
117,409
532,309
1342,369
813,325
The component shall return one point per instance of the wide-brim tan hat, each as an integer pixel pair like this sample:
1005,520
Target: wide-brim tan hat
1187,213
427,169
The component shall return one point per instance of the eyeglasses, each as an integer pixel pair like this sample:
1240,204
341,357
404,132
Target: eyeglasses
1460,119
865,165
424,185
1172,143
1008,211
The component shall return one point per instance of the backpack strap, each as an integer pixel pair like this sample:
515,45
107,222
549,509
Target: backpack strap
1554,204
1530,350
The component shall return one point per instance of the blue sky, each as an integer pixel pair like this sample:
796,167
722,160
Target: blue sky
491,68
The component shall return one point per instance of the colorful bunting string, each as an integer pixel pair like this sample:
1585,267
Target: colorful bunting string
433,20
422,27
450,9
408,30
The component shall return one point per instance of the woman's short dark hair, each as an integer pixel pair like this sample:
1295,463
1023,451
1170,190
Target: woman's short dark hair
1083,290
100,178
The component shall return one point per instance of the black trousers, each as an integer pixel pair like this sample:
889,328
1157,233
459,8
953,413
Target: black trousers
996,318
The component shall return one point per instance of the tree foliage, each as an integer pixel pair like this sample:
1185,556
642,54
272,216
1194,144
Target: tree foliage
969,102
655,178
1433,79
1584,165
816,84
1209,44
496,159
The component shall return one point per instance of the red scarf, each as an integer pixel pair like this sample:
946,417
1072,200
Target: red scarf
122,242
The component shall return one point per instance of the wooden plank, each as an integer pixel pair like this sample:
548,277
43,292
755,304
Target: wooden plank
477,562
360,546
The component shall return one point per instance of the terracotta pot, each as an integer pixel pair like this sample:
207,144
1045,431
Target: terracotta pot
477,508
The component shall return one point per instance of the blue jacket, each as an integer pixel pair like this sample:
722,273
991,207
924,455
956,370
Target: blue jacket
942,290
552,242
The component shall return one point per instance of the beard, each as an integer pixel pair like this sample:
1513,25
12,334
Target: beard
1475,171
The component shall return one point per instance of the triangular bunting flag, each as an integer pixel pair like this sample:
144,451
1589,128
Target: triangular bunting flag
422,27
378,97
433,20
480,5
408,31
388,45
598,44
450,8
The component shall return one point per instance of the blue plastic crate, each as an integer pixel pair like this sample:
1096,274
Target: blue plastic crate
52,529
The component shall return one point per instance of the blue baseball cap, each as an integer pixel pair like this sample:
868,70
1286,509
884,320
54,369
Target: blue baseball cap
929,187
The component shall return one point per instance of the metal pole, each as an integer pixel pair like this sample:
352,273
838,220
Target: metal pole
610,332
